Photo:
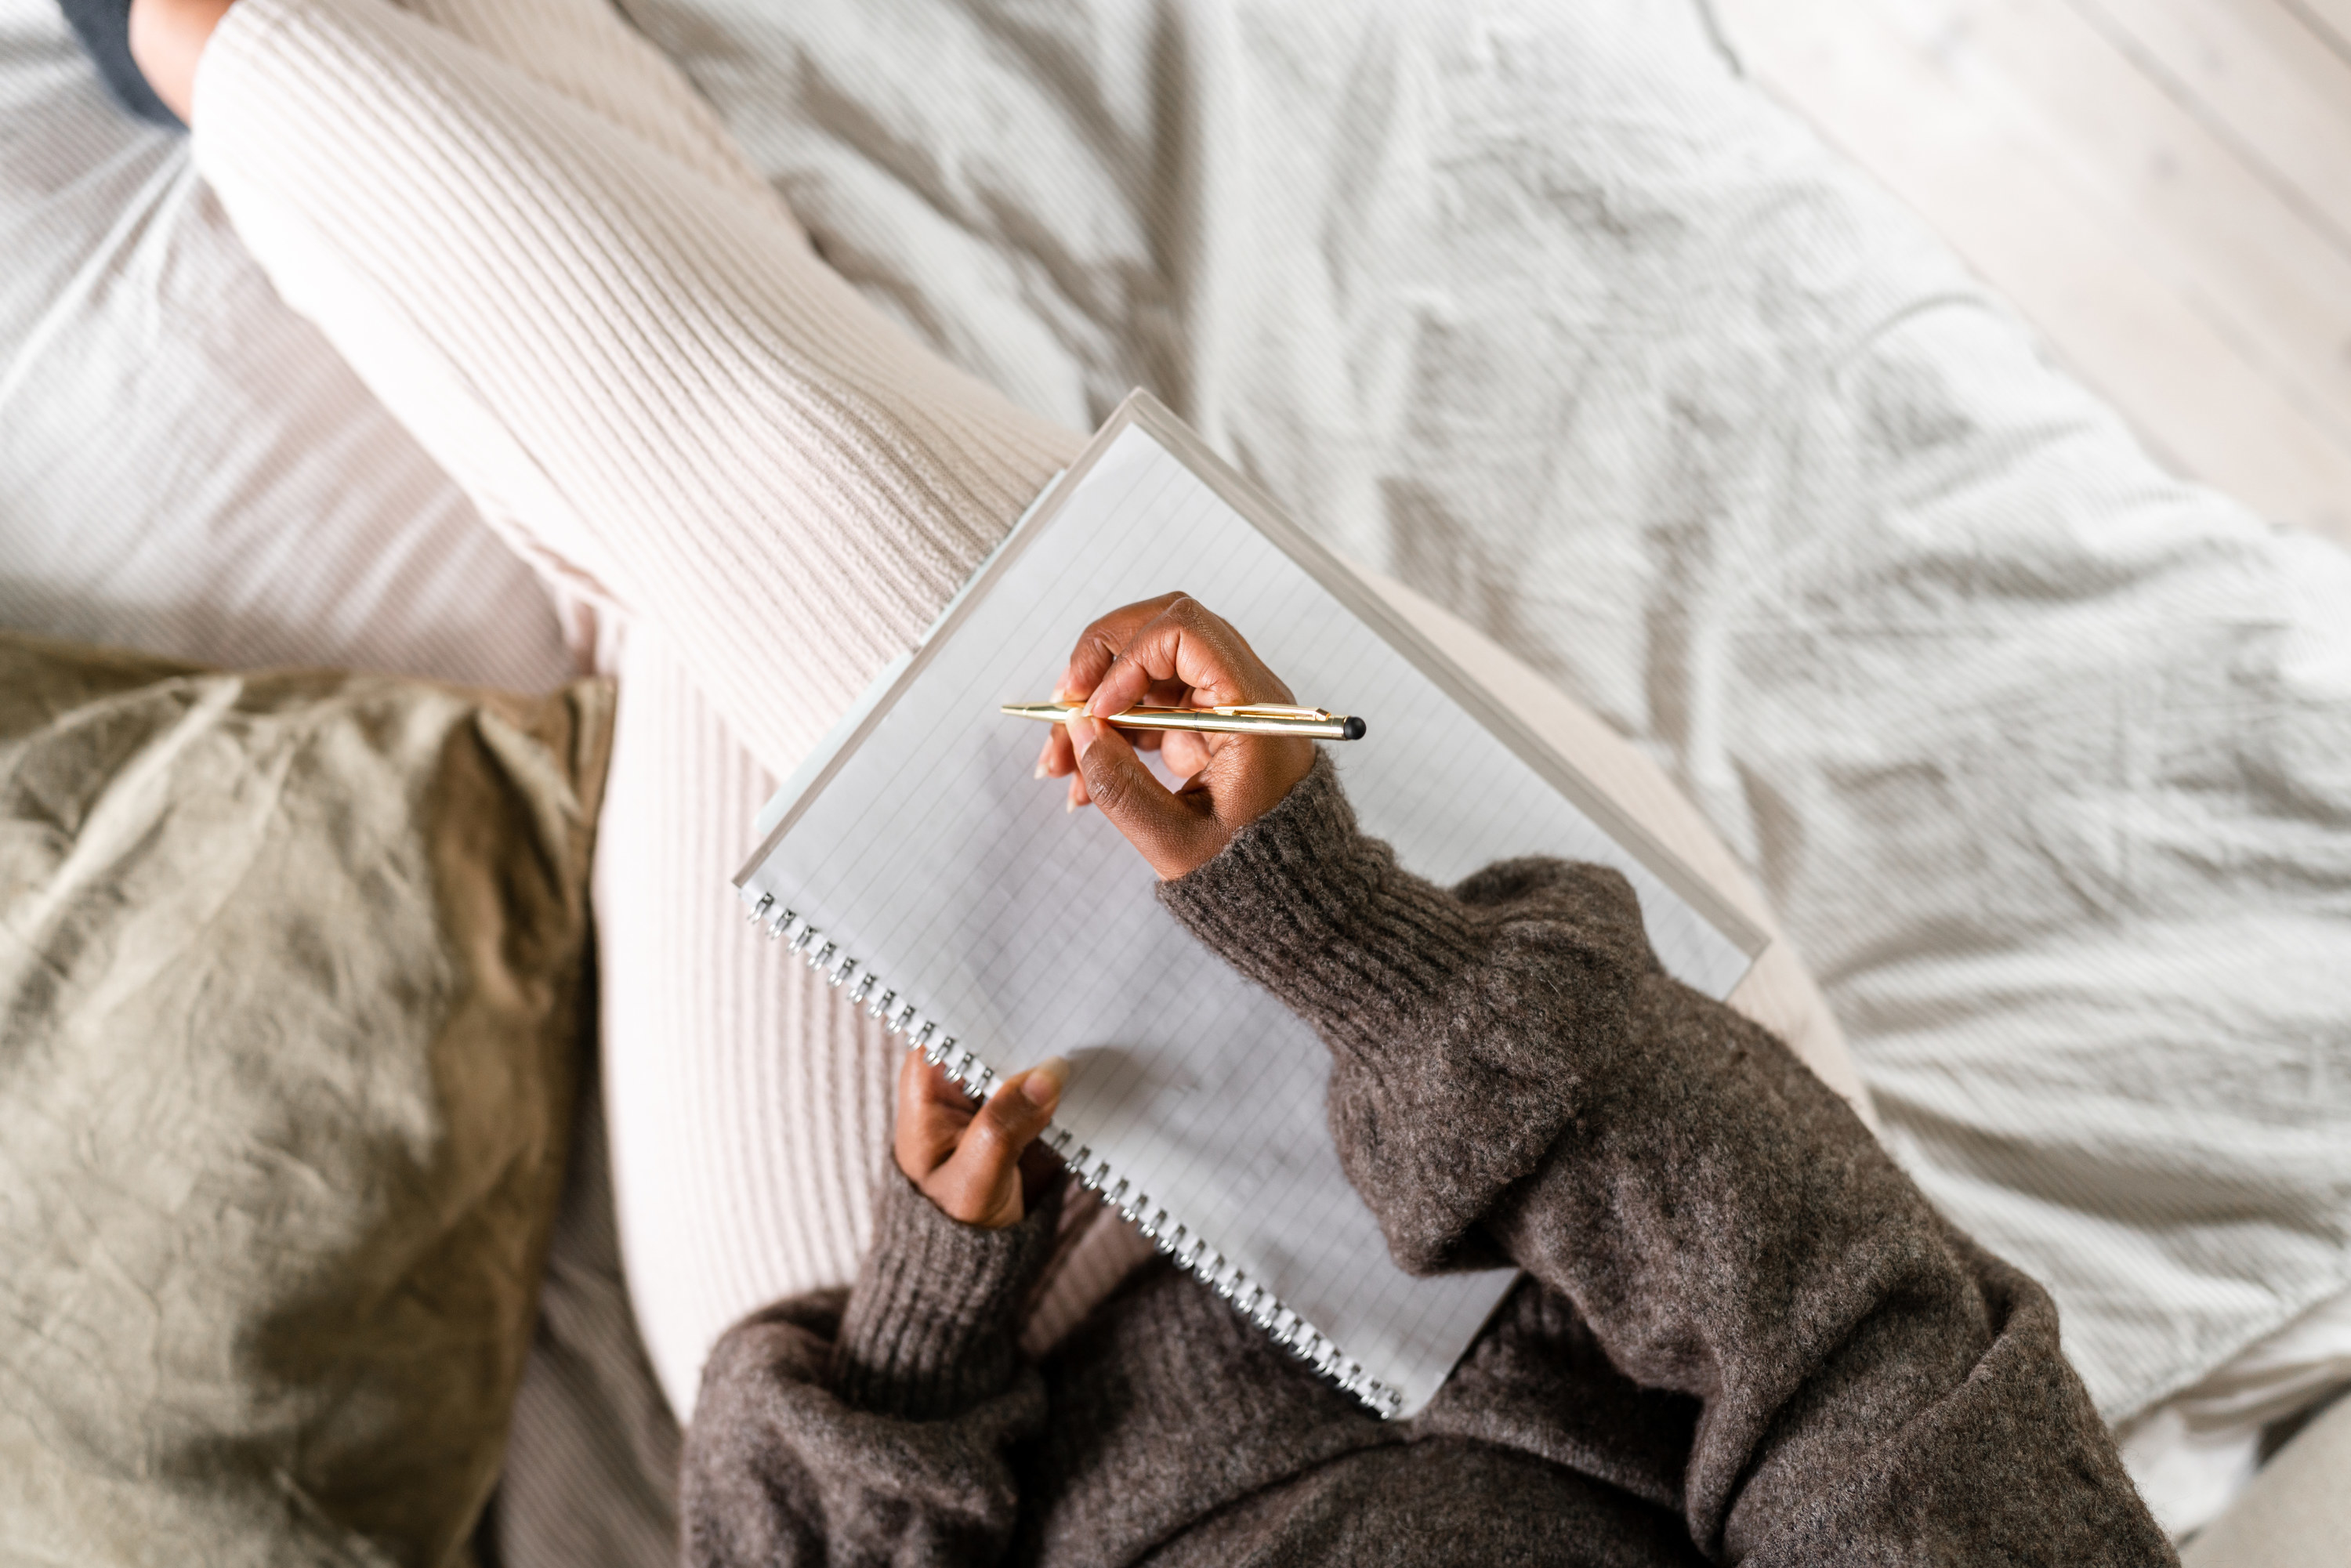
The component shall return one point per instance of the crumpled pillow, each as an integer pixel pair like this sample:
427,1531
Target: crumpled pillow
290,1009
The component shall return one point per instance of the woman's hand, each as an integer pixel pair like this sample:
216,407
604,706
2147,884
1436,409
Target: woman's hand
1172,651
980,1163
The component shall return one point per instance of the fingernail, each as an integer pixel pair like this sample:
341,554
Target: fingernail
1083,732
1068,806
1045,1081
1041,769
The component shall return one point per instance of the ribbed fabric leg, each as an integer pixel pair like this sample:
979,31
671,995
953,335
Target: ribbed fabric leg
749,1106
533,240
629,358
584,50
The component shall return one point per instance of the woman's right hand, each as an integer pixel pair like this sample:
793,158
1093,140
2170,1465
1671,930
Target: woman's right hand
1172,651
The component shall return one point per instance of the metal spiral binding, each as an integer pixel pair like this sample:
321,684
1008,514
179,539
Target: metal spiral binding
1192,1253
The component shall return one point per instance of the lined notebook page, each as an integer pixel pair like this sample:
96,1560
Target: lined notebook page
929,853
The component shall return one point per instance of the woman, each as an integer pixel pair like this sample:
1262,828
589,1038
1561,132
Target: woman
1744,1335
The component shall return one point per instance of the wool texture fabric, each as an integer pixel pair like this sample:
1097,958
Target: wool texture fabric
1744,1335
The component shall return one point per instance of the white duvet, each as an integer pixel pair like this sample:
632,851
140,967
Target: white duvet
2044,756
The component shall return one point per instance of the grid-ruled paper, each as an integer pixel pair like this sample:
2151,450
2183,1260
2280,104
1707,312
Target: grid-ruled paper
933,856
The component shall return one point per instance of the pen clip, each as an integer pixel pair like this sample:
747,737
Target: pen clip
1269,710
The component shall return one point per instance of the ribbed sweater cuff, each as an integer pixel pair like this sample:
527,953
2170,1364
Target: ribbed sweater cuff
1305,905
933,1323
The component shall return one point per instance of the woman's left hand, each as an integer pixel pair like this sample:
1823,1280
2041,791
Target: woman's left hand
977,1161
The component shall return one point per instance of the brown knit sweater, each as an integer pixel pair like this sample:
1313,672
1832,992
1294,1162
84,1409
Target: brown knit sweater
1743,1336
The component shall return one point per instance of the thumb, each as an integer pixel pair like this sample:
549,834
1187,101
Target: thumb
1024,1107
980,1183
1125,792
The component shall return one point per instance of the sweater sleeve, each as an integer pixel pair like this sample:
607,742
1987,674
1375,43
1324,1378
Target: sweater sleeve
877,1428
1514,1077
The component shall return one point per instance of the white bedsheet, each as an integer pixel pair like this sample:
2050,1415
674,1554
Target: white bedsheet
185,467
2044,757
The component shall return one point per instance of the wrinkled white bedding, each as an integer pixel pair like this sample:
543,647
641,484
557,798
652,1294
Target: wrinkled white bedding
185,467
2044,757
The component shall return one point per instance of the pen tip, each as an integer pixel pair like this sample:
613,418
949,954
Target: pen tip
1355,730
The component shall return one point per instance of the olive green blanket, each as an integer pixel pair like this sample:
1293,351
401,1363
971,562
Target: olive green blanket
289,1018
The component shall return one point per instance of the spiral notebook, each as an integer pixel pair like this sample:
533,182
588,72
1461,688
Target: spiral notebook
916,860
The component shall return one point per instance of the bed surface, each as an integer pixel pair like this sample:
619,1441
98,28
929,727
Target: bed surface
185,467
2044,757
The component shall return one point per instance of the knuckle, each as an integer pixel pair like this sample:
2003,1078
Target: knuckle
954,1198
988,1140
1110,788
1010,1133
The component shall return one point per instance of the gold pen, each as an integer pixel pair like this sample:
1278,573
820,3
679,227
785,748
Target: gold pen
1245,718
